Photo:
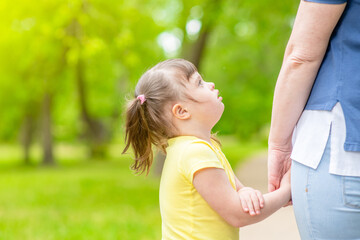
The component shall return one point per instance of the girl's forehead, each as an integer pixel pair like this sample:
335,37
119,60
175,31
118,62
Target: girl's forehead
196,76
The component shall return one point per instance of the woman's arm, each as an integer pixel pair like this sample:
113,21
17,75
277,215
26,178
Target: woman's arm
214,186
304,53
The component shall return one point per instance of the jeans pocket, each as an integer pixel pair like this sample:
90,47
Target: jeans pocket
351,190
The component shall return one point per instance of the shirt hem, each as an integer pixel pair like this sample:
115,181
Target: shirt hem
327,1
351,147
321,107
310,165
345,173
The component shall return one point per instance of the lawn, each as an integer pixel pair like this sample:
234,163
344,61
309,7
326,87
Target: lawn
83,199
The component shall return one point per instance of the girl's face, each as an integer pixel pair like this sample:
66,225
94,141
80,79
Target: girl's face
208,106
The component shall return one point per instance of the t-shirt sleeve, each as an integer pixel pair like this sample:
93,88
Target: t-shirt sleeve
198,156
327,1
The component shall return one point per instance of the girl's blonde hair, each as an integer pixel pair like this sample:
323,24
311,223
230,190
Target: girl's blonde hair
148,123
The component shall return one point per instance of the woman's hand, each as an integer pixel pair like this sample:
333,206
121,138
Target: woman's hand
251,200
279,163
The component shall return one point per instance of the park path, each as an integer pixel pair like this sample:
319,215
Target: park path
279,226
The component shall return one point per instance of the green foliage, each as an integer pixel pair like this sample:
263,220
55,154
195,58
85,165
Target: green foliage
244,58
118,40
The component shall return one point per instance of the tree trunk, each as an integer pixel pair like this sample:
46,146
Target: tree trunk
95,131
48,158
26,135
46,119
159,162
195,51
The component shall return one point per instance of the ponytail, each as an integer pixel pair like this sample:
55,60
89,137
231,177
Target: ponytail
138,136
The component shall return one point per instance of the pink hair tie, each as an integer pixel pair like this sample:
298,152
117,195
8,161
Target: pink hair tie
142,98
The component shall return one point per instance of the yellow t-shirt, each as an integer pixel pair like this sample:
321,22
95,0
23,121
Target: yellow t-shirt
185,214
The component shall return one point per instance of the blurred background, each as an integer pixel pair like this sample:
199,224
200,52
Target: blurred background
66,69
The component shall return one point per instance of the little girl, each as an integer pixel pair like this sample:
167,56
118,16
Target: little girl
174,109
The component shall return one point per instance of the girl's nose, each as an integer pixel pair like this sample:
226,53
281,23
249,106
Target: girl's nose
212,85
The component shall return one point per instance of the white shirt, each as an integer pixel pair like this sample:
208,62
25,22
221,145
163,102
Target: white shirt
310,137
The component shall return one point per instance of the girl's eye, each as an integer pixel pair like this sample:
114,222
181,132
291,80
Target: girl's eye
200,83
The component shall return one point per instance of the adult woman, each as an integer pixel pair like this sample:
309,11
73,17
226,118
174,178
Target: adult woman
318,95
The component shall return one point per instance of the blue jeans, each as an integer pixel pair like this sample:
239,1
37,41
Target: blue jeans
326,206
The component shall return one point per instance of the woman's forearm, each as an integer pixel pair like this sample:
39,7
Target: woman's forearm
291,93
304,53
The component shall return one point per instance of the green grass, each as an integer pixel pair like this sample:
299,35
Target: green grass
94,200
83,199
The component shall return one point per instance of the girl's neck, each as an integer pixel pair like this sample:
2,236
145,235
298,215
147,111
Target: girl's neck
206,136
193,128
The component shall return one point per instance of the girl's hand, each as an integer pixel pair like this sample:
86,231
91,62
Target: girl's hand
251,200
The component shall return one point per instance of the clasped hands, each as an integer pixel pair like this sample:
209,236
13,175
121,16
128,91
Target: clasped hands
252,200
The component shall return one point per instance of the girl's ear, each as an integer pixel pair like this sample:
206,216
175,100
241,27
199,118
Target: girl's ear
180,112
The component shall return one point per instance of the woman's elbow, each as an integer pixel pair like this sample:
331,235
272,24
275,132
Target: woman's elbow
297,59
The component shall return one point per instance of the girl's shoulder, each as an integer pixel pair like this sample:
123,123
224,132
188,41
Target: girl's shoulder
190,154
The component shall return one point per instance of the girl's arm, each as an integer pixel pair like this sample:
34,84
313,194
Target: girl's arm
214,186
239,185
304,53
